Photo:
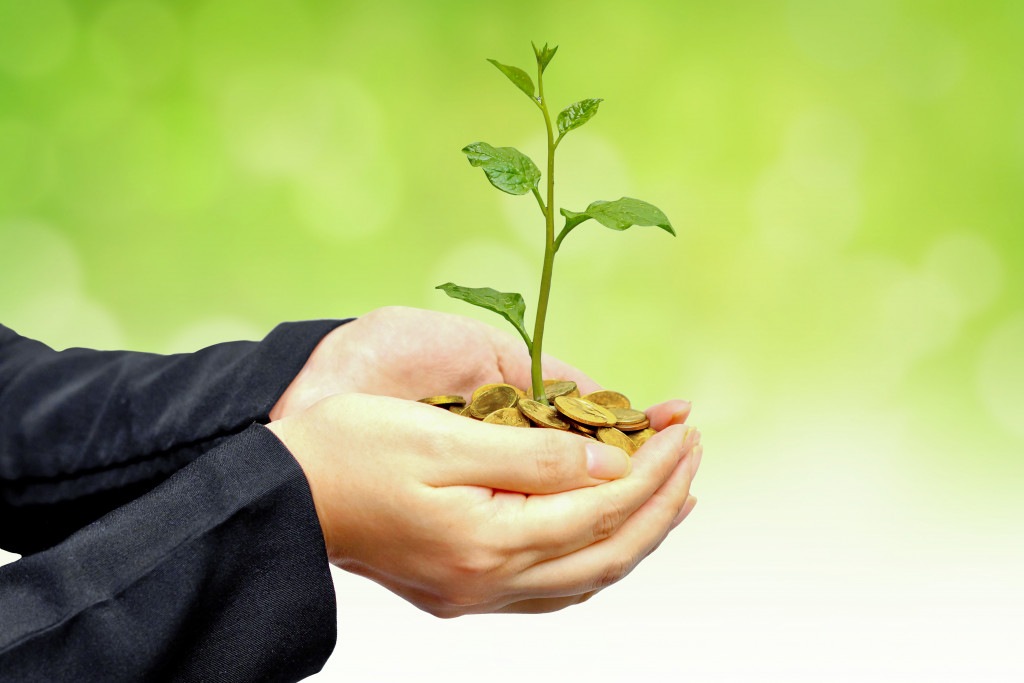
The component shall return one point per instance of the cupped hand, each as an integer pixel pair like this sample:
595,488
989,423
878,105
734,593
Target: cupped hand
411,353
459,516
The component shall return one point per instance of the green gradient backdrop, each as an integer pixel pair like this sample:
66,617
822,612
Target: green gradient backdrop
844,302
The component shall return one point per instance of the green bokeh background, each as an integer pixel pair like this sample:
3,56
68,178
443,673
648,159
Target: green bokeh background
844,297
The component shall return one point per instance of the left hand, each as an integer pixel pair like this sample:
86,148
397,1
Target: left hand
411,353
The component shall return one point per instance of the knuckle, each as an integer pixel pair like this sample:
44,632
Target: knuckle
613,573
608,521
478,558
554,464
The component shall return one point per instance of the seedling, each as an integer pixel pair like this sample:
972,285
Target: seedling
513,172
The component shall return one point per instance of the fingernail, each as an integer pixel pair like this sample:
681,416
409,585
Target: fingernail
688,437
680,416
697,453
691,502
607,462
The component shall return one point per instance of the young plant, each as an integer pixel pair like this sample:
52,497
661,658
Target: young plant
513,172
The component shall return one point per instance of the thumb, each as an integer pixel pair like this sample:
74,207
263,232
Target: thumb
534,460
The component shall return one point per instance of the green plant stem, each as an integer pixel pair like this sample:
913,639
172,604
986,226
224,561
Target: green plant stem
549,253
561,236
540,202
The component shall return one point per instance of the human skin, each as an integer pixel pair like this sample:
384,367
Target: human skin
455,515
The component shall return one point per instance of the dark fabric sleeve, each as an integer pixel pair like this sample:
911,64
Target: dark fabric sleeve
219,573
83,432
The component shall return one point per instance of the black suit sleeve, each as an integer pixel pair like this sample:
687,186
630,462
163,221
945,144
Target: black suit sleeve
219,573
83,432
167,537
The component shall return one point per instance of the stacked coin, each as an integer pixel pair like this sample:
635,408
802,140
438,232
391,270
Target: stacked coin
602,415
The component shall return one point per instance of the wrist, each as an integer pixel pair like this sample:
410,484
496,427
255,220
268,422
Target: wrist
283,431
318,377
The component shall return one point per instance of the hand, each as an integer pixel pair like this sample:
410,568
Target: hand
411,353
458,516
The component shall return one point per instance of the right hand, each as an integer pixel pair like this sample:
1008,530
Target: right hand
458,516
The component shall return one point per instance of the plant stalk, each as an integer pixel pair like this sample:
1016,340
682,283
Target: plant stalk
549,254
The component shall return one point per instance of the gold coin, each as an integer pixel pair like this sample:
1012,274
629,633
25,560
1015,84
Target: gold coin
542,415
480,390
629,420
495,398
508,416
584,412
444,401
613,437
608,399
640,438
584,429
562,387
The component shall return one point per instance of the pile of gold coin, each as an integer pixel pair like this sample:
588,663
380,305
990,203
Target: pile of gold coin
602,415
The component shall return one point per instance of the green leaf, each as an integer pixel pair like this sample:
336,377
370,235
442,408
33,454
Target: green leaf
619,215
507,168
508,305
575,115
517,76
544,55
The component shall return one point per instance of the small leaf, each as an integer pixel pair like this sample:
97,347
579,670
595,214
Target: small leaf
507,168
544,55
517,76
508,305
575,115
619,215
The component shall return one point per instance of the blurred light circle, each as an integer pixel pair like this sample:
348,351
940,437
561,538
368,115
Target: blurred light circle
35,258
971,265
41,293
824,137
920,313
485,263
927,63
348,199
36,36
801,210
136,42
281,122
227,36
839,33
1001,374
28,166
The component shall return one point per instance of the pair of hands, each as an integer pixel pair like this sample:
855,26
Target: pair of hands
458,516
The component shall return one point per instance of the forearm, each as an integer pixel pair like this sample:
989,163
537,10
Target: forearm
84,431
221,568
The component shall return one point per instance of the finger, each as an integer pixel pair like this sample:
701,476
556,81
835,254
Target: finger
668,413
691,502
601,564
529,461
698,453
688,506
557,525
